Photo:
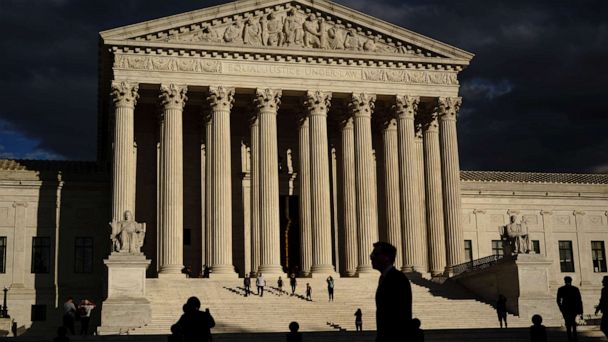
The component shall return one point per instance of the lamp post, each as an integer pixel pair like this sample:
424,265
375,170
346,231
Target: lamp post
4,312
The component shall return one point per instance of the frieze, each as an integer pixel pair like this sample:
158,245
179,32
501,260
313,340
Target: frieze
202,65
289,26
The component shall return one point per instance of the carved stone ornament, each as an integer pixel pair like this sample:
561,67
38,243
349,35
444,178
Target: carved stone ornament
292,27
173,96
268,100
406,106
318,102
362,104
124,94
221,98
127,235
517,237
448,107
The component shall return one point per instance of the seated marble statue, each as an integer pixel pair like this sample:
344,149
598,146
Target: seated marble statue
518,236
127,235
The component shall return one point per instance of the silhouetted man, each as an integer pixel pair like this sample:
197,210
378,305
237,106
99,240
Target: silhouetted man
603,306
247,285
393,296
195,324
570,304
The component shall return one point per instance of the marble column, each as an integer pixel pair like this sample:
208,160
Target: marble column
208,194
361,107
405,108
268,101
434,197
305,187
450,166
422,258
220,100
255,194
349,197
392,193
204,260
318,104
125,97
173,99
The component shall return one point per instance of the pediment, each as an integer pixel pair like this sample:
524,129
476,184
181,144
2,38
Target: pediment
287,25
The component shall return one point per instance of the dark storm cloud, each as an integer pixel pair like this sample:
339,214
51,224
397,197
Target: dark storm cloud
533,96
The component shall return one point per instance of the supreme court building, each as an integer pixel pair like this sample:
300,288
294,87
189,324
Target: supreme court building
281,136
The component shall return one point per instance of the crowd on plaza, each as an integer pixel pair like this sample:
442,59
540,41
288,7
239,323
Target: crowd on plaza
393,308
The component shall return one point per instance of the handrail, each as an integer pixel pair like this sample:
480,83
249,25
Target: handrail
475,265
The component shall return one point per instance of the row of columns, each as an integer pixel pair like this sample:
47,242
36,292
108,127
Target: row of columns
410,151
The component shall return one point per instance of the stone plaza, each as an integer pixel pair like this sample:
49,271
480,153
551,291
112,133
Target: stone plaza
278,137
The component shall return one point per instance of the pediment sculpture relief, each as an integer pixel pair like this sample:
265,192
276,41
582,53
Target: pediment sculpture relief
291,27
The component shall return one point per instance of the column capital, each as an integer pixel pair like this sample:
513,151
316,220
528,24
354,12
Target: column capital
173,96
419,130
221,98
317,102
362,104
124,94
268,100
406,106
448,107
431,121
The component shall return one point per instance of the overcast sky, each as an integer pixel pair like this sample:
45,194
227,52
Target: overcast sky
535,96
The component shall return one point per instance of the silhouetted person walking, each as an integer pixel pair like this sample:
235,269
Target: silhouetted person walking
260,283
195,324
417,333
294,335
538,332
359,320
293,283
501,310
69,314
308,292
247,285
603,306
330,288
393,296
280,285
570,304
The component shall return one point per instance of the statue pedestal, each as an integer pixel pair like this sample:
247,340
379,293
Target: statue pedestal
5,326
126,306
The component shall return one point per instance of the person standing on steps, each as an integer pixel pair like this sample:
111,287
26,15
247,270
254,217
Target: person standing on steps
570,304
69,314
247,285
293,283
280,285
603,306
260,283
358,320
308,292
501,309
84,311
393,296
330,288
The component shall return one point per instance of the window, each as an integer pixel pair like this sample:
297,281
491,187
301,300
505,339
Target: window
41,254
2,254
38,312
566,260
83,255
598,253
497,248
468,250
536,246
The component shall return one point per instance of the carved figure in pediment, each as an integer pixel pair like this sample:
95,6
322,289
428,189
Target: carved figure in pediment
352,41
233,33
335,39
207,34
273,30
292,28
253,32
312,32
371,45
127,235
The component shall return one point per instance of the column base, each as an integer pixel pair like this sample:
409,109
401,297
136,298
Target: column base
222,269
171,269
171,276
223,276
408,269
271,269
324,271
